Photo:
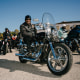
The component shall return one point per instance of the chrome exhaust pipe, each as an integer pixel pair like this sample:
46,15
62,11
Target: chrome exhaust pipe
31,59
17,54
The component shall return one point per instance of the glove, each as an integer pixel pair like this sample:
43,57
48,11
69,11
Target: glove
33,34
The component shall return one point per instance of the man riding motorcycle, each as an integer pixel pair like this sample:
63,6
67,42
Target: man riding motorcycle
57,55
7,35
28,32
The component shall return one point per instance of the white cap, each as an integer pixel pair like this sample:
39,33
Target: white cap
63,24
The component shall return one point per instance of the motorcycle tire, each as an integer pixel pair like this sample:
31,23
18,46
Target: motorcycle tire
21,59
63,62
5,50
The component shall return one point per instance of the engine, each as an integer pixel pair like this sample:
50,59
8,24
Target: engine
35,49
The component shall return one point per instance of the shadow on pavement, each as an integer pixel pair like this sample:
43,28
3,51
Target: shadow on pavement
75,54
15,65
77,63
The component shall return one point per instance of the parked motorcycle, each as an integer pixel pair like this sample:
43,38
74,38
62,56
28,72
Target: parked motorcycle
47,46
73,39
73,44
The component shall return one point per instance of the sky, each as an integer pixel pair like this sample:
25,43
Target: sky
13,12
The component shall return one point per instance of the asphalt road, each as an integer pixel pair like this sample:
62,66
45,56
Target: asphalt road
12,69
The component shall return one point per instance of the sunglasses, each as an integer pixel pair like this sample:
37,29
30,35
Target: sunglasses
28,19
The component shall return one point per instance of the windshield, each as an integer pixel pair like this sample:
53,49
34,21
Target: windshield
48,21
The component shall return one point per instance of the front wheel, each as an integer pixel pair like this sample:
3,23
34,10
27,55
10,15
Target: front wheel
63,61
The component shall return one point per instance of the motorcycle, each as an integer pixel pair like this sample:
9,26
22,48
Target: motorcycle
73,39
47,46
73,44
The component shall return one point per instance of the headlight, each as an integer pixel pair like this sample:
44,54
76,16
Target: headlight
54,33
48,31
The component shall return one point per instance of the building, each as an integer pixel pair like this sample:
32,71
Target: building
68,24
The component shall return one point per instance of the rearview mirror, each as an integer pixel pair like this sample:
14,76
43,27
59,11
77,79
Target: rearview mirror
36,20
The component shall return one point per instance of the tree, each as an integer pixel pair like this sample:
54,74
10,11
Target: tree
1,35
16,31
12,33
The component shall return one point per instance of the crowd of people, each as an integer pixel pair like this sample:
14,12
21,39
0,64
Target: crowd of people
11,40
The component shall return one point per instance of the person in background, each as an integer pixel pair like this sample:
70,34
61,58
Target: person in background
7,35
71,28
62,32
14,37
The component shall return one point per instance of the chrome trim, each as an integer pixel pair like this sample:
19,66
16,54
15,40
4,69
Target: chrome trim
52,49
31,59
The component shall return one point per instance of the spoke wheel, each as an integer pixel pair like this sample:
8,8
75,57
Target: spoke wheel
63,61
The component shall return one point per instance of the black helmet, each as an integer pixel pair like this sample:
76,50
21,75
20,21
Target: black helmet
27,17
6,28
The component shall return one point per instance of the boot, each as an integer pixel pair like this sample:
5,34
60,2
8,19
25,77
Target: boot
10,51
